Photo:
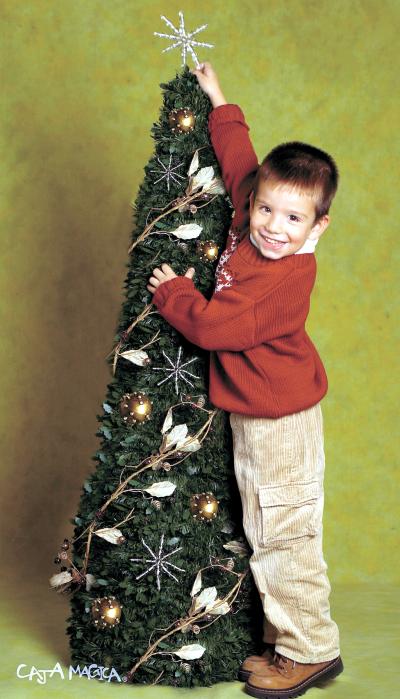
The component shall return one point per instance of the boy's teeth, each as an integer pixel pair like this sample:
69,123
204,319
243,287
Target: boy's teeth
271,240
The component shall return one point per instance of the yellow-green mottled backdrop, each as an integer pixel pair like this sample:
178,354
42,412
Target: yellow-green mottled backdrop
80,91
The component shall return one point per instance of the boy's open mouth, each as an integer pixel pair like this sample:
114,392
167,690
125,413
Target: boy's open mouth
272,241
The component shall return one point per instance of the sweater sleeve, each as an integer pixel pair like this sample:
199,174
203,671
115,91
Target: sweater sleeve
234,322
229,135
225,322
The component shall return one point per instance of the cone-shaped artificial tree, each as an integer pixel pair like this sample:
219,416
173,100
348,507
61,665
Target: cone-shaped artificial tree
158,568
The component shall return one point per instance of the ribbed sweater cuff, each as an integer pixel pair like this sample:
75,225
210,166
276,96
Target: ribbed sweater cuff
224,114
169,287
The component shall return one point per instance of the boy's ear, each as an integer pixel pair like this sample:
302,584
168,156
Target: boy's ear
319,227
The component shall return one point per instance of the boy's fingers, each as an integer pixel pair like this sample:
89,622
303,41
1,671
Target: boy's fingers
161,271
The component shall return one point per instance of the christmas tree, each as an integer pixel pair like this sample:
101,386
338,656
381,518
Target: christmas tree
158,570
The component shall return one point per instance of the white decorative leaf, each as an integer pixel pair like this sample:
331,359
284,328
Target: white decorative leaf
90,581
161,489
218,607
194,165
216,186
60,579
237,547
203,178
191,652
138,357
189,444
109,534
187,231
177,434
196,585
206,596
167,422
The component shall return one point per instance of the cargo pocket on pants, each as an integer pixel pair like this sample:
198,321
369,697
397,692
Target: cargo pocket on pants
288,512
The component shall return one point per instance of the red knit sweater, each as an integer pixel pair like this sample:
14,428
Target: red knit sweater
262,362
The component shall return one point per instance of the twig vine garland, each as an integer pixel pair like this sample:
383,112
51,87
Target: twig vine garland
145,464
177,204
192,617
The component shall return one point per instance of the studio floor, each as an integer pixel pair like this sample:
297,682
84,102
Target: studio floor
32,626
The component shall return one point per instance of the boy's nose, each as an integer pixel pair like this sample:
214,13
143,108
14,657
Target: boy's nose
274,226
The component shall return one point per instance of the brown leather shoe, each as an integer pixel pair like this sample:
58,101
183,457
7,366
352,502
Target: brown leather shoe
254,662
287,678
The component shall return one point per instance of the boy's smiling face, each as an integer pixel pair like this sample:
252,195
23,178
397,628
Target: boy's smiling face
282,219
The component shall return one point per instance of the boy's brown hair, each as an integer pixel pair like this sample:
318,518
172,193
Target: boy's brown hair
306,168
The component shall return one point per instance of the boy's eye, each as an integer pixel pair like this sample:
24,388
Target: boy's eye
292,217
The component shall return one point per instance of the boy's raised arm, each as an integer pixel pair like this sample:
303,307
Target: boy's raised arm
230,139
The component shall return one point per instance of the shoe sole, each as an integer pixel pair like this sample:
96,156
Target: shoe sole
328,673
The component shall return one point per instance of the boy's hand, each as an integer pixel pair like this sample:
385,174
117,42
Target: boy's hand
208,81
163,274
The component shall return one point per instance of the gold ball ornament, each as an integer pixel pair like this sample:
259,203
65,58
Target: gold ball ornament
207,250
135,407
106,612
204,506
181,120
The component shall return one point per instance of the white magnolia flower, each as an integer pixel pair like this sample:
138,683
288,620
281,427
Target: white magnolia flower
138,357
161,489
205,598
187,231
60,579
191,652
111,534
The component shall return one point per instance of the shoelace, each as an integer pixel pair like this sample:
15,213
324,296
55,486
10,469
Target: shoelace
280,662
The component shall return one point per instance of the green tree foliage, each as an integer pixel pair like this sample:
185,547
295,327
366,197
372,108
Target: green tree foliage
146,610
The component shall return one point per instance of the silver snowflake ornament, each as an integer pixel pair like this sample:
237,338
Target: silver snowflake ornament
168,172
159,562
176,371
183,39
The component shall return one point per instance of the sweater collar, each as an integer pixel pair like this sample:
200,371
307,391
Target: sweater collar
252,255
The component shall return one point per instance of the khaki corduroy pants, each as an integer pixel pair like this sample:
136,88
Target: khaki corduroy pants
279,467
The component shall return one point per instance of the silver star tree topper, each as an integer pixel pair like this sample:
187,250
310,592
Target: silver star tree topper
183,39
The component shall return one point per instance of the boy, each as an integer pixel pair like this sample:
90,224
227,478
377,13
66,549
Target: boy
266,372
